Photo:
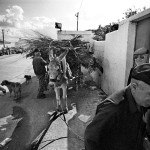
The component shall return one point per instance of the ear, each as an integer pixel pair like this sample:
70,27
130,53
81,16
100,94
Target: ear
134,86
61,56
51,55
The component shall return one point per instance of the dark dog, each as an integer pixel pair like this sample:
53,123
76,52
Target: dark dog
3,90
28,78
14,87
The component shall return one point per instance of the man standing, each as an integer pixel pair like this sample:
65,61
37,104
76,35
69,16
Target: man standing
39,69
120,122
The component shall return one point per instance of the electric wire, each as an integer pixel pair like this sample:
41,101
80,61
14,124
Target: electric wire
80,5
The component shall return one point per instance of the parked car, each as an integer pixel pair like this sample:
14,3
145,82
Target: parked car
19,51
13,50
5,51
1,53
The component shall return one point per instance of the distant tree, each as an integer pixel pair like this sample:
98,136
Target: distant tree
132,11
102,31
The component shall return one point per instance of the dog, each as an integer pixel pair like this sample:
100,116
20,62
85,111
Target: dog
3,90
28,78
14,87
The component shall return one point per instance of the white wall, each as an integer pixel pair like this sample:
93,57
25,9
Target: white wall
87,35
10,45
114,63
7,45
99,54
130,49
99,49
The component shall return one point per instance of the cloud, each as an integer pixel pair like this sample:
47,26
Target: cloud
19,26
12,18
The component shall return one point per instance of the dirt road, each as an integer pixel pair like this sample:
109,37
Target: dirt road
13,67
35,118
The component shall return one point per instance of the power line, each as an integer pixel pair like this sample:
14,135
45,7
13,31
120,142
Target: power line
80,5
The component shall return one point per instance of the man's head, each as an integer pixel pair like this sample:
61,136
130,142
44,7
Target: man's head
141,56
140,84
37,54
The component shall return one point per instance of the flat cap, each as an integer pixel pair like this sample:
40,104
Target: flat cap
142,73
141,51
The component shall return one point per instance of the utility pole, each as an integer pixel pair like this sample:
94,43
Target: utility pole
3,38
77,15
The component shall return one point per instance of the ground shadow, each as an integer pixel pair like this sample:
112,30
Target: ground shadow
21,134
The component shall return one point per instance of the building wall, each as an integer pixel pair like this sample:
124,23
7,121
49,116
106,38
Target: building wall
7,45
130,49
10,45
99,54
143,34
99,49
120,45
87,35
115,56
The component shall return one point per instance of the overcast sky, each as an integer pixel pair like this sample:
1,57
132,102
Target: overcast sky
17,17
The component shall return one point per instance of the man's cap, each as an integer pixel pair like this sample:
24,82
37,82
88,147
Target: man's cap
141,51
142,73
36,50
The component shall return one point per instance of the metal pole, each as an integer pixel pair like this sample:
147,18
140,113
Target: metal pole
77,22
77,15
3,38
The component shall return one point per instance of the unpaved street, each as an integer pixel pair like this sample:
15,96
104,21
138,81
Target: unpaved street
13,67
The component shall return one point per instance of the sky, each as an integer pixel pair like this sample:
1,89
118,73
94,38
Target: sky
19,18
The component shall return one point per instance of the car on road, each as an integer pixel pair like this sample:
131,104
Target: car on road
5,51
12,50
19,51
1,53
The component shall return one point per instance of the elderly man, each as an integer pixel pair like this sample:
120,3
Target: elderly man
120,122
39,69
141,56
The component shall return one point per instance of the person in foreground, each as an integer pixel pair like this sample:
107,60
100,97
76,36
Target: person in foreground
120,120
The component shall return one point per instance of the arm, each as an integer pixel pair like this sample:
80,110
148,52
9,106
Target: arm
98,131
43,61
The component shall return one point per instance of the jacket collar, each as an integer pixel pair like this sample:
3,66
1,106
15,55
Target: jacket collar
132,104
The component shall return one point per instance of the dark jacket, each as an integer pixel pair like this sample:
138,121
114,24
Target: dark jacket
39,65
129,78
116,126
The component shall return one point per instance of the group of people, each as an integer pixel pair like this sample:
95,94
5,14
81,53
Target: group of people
122,120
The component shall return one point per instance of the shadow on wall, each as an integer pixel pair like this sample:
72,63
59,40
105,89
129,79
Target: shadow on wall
105,79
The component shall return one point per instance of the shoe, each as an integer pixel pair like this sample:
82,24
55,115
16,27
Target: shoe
41,96
65,110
